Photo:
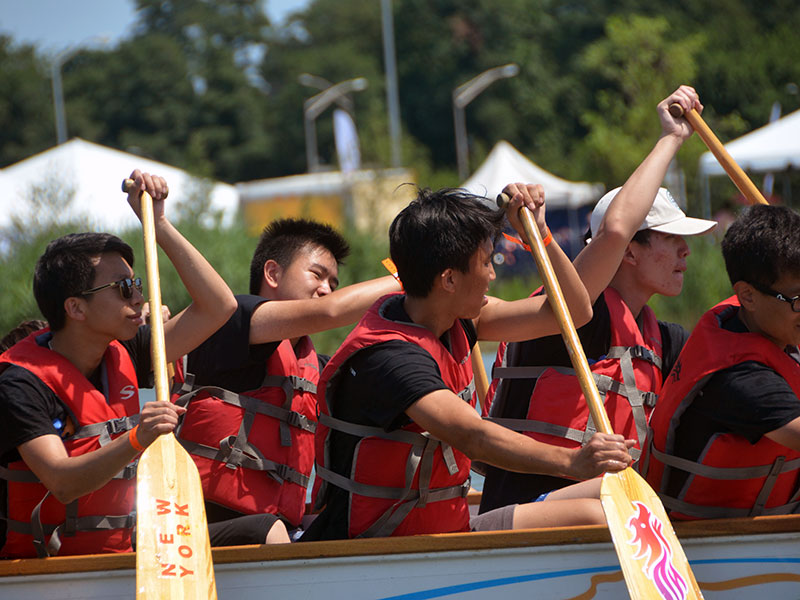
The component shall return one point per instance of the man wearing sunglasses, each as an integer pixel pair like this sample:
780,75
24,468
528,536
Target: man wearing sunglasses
70,424
725,434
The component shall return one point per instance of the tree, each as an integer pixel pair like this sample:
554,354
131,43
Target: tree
638,61
26,103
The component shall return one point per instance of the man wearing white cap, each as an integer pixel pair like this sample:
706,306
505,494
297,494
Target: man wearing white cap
636,250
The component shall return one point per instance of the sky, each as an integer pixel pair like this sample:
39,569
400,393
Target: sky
54,25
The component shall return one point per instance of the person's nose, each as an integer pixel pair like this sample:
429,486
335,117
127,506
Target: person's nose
683,249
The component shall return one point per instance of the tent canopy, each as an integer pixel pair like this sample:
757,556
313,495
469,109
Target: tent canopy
505,164
95,174
774,147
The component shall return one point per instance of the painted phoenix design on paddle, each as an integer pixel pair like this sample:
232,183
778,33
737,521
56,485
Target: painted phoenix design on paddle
656,553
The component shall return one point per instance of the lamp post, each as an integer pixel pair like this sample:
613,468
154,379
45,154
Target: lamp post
463,95
392,93
315,81
314,106
59,60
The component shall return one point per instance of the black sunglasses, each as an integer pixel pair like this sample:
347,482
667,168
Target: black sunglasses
125,287
794,301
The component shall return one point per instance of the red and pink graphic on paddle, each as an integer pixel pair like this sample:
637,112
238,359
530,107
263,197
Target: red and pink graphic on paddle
656,554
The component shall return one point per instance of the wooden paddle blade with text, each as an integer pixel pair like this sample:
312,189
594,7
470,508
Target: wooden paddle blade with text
649,553
652,559
173,551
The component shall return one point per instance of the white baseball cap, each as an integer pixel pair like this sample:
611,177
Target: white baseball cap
665,216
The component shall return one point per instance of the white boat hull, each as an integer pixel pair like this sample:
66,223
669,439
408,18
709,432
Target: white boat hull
760,563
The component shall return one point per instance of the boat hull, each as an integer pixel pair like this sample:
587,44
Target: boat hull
731,559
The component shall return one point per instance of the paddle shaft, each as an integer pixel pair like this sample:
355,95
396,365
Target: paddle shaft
734,171
158,348
173,557
479,372
565,323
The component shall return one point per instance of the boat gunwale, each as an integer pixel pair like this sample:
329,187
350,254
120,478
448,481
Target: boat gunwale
406,545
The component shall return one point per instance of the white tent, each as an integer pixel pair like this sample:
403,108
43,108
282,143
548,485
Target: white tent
774,147
95,173
505,164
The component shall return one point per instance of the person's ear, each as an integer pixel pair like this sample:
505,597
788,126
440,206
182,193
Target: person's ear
273,273
448,280
75,308
630,256
746,294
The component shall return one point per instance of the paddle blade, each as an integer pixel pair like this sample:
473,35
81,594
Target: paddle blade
650,554
173,552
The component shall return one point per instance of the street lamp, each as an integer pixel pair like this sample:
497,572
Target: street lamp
59,60
315,81
314,106
463,95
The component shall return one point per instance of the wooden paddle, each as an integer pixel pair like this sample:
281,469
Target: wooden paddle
479,372
173,552
652,559
739,178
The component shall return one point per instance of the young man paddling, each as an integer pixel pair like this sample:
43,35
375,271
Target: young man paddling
69,403
725,438
637,249
251,399
398,425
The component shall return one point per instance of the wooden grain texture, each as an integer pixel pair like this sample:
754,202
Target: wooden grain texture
651,557
173,558
734,171
479,373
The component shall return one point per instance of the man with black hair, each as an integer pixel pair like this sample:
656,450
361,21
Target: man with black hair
70,424
398,424
250,389
637,249
725,435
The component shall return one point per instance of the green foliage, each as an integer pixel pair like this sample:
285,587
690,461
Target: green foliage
639,61
26,109
212,87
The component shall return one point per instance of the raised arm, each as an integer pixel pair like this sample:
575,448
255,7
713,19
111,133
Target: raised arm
599,261
212,301
531,318
287,319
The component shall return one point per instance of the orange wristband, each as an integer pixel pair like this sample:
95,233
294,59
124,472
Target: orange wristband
133,441
390,266
548,238
545,241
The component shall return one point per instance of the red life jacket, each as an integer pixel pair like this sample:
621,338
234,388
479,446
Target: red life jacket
404,482
255,450
628,378
734,478
85,525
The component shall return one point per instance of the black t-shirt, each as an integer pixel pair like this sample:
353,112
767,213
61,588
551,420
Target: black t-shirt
376,386
502,487
748,399
226,359
30,409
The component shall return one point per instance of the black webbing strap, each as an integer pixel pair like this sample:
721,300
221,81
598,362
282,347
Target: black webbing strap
71,525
